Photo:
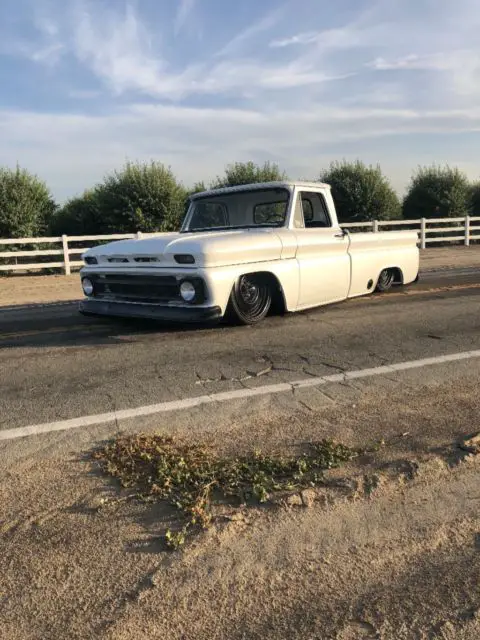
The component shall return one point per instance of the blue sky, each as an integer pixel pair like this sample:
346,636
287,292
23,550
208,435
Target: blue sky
196,84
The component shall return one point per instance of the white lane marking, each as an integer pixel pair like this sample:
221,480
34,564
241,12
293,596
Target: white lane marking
240,394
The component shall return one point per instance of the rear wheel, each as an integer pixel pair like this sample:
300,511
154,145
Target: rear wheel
385,280
250,300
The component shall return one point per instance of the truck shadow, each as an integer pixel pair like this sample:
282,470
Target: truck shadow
63,326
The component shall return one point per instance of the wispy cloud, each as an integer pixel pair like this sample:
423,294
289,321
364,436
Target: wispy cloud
117,47
300,38
44,47
184,12
433,62
258,26
45,24
49,55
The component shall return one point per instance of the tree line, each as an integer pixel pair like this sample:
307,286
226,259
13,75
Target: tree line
148,197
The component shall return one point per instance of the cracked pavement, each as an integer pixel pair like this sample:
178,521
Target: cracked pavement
56,365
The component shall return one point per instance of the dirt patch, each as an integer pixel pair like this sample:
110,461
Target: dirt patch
382,567
388,548
454,256
21,290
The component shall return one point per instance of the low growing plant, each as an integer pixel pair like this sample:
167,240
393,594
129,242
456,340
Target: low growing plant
193,477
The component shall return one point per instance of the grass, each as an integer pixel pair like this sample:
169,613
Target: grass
193,478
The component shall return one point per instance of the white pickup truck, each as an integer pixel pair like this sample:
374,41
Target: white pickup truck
242,252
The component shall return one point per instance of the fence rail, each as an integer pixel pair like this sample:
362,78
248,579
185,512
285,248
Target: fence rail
429,231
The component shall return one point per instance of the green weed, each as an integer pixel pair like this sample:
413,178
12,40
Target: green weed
193,478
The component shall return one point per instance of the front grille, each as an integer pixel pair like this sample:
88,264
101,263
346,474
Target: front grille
130,288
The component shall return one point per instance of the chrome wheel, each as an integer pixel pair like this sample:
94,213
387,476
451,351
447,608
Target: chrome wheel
251,299
385,280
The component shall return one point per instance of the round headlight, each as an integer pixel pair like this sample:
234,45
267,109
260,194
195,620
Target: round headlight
87,285
187,291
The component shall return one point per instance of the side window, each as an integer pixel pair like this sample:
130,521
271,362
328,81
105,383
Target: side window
315,210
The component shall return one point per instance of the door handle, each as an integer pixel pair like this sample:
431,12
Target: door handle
339,235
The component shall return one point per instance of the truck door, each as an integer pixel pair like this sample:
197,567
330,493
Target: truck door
322,252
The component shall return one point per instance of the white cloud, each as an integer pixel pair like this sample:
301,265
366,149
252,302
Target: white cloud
72,152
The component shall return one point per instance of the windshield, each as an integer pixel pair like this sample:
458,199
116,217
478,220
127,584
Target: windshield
238,210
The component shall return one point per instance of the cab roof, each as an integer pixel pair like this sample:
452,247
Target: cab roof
261,185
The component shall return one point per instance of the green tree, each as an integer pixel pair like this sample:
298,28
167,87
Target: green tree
249,173
78,216
26,204
475,199
438,192
198,187
361,192
141,197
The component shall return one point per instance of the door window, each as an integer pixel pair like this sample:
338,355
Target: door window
314,210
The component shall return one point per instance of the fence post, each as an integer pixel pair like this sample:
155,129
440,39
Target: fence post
66,255
375,226
467,231
139,235
423,233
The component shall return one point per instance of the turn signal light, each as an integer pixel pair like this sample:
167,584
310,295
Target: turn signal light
184,258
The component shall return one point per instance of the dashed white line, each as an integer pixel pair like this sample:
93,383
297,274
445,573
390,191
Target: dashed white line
240,394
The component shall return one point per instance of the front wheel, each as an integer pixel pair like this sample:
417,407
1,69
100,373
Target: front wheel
250,300
385,280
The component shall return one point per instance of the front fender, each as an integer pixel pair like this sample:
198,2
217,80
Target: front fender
221,280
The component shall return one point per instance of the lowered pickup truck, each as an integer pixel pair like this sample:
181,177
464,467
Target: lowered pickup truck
242,252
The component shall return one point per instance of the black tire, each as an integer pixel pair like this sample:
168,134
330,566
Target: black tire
250,300
385,280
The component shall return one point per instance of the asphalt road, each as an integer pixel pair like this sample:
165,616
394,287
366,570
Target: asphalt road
72,570
55,364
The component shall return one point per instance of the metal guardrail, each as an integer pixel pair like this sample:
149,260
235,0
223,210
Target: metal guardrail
465,231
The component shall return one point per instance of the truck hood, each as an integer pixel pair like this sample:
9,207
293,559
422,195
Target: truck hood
210,249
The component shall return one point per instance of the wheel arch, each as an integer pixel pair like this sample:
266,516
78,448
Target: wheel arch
397,274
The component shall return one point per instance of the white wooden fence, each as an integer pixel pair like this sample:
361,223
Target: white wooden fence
456,230
64,249
462,230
